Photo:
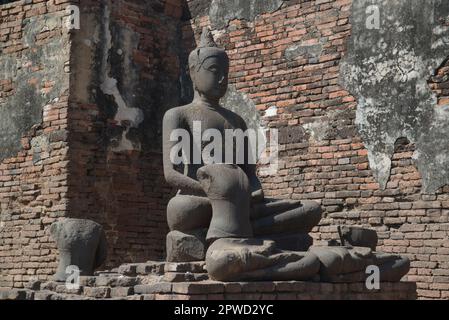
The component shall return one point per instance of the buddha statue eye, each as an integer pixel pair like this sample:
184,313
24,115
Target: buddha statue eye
213,69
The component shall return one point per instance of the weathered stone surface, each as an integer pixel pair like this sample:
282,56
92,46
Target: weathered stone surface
358,237
87,281
161,287
228,189
120,281
97,292
257,260
293,242
81,243
390,83
198,288
221,12
129,269
348,264
43,295
304,51
185,277
260,286
50,286
62,288
193,267
231,193
121,292
151,267
24,108
13,294
183,247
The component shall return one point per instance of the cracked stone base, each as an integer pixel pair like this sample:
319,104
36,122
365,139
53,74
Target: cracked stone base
188,281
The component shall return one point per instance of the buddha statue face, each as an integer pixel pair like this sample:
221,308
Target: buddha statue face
209,68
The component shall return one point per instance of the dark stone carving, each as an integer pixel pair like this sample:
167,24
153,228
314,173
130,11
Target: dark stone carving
191,208
189,246
247,233
81,243
234,259
358,237
343,264
227,188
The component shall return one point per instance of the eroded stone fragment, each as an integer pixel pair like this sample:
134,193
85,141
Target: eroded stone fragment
81,243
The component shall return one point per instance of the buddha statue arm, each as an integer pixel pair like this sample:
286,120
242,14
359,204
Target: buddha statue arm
172,176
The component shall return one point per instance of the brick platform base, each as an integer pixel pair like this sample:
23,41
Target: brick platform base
166,281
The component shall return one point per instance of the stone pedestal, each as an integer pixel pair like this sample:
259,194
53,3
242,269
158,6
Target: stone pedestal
165,281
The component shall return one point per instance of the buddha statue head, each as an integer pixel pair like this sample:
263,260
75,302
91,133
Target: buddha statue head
209,68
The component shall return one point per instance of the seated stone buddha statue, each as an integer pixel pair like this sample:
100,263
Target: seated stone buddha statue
285,221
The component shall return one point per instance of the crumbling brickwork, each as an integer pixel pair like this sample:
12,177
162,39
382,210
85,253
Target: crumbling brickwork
290,60
34,86
112,171
90,146
125,75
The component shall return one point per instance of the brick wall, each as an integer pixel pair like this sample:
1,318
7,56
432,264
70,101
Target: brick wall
323,157
123,188
328,162
68,163
33,182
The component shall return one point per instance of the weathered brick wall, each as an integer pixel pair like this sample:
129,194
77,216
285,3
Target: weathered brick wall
112,172
33,163
116,167
323,157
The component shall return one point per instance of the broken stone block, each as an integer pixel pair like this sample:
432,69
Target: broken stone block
193,267
186,247
151,267
81,243
185,277
33,285
129,269
121,292
15,294
358,237
117,281
43,295
98,292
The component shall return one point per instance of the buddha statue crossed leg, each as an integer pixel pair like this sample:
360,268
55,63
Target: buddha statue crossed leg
190,210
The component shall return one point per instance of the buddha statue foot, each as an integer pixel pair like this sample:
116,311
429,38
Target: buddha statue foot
300,217
349,264
232,259
186,246
291,242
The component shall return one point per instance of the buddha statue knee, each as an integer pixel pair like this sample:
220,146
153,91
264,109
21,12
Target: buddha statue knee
186,213
300,217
